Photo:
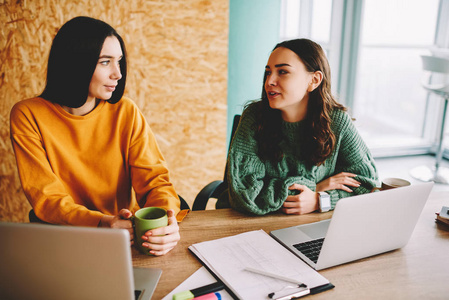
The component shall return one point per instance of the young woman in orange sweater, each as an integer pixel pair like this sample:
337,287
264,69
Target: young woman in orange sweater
81,147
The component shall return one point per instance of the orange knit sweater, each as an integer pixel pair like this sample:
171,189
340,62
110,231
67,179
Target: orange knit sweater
74,169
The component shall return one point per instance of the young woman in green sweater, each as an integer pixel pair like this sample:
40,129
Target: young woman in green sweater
296,149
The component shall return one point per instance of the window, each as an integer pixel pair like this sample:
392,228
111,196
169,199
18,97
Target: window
306,18
389,100
374,48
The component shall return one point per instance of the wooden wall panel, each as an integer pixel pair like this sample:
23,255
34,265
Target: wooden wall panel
177,75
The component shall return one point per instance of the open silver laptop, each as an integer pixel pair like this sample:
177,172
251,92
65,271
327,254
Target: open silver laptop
67,262
360,226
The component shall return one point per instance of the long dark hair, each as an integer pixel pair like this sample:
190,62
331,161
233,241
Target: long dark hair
319,140
73,58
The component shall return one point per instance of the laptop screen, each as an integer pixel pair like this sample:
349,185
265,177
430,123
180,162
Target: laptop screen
66,262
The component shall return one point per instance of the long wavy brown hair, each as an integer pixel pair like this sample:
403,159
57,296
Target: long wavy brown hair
319,142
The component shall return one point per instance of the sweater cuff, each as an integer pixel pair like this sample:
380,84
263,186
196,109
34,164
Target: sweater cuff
334,197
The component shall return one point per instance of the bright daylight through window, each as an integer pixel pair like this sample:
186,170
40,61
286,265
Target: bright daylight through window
374,49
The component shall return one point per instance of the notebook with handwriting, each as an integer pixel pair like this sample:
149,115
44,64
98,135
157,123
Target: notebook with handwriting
229,258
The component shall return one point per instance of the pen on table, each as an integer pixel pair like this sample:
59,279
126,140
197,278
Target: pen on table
204,290
272,275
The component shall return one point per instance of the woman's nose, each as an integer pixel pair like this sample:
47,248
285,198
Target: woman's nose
116,73
271,80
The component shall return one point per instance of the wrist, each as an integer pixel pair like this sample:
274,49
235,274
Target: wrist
105,221
317,205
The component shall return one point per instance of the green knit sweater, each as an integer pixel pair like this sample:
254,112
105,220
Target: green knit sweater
259,186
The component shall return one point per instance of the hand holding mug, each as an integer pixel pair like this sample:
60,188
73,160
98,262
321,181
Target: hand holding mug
157,230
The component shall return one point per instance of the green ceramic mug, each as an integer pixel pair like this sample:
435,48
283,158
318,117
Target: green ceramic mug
145,219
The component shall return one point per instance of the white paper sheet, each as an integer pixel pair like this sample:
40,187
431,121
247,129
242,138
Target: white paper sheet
227,258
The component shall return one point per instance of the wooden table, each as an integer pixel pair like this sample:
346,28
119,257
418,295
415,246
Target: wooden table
420,270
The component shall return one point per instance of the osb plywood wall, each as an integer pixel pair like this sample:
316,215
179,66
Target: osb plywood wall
177,53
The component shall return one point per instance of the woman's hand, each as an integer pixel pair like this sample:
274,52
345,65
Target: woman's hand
122,221
303,203
161,240
340,181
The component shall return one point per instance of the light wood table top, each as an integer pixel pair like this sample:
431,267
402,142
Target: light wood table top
420,270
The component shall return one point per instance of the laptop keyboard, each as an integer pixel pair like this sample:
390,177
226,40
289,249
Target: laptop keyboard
311,249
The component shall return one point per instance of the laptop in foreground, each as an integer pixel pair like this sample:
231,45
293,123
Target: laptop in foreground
361,226
67,262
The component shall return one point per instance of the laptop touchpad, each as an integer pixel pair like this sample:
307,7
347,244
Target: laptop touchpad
316,230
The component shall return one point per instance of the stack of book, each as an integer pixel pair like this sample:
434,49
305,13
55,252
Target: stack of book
443,216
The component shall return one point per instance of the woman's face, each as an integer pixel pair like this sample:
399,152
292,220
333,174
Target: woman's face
107,72
288,84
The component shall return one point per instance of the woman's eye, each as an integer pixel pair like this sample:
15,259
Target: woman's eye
282,72
267,73
104,62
